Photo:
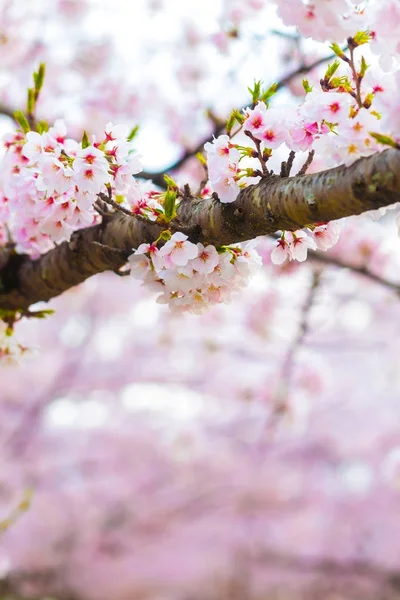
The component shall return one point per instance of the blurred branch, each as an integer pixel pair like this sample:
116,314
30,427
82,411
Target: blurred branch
329,567
329,572
288,365
7,111
280,401
333,261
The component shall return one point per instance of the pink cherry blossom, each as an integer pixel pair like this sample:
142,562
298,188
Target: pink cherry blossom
139,265
206,260
178,250
299,243
326,235
256,119
38,144
281,251
273,129
226,188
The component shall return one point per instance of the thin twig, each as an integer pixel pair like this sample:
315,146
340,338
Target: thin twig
286,166
357,78
308,162
115,205
260,157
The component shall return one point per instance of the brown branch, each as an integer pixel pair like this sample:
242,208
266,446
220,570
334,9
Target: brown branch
308,162
271,205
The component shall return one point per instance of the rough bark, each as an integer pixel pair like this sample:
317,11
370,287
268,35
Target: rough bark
273,204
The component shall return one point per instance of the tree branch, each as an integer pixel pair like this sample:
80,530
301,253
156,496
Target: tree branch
273,204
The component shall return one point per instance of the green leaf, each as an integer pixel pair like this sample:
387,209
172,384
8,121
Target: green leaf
256,91
38,77
331,126
306,85
85,140
267,94
331,70
133,133
363,67
230,124
341,82
169,204
22,121
338,51
31,101
361,37
386,140
235,117
171,183
201,159
42,126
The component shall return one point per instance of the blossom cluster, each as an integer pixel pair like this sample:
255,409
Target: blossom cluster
326,122
330,20
223,167
335,20
193,277
50,182
293,245
343,119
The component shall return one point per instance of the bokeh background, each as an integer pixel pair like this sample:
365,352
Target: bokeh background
250,452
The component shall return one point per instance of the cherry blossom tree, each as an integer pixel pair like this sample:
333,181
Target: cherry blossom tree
206,196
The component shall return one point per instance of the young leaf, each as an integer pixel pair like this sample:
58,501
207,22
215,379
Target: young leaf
306,85
169,204
31,101
133,133
267,95
256,91
22,121
171,183
331,70
361,37
201,159
85,140
363,67
42,126
385,140
338,51
39,77
235,117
